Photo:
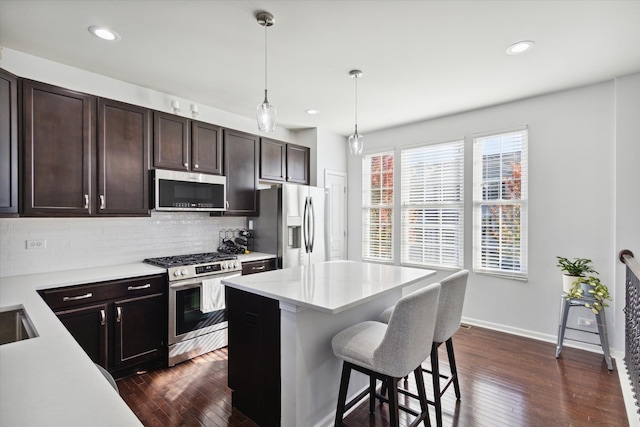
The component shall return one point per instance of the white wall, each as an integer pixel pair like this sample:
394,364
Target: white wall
627,183
572,164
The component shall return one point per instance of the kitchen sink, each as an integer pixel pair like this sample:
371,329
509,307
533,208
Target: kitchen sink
15,325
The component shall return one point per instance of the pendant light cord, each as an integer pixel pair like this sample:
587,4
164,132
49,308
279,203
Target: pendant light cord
356,121
265,62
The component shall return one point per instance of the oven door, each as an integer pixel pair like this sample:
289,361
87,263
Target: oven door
186,321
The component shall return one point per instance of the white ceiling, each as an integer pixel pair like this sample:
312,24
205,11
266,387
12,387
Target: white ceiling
421,59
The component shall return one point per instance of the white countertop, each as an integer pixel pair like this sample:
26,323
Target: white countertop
49,380
329,287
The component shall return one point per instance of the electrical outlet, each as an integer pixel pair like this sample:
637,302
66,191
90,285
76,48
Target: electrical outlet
36,244
586,322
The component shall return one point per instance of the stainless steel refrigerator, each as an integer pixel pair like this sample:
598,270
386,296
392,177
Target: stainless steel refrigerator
292,224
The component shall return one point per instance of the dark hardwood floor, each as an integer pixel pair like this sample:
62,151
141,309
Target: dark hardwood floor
505,380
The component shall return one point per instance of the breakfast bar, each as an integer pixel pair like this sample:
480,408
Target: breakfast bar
282,370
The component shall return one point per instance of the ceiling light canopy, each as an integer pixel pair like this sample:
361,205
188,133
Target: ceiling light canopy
520,47
265,112
356,140
104,33
311,111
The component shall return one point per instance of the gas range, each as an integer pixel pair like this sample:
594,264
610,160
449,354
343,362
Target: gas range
180,267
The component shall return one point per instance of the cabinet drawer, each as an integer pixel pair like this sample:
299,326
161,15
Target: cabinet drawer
252,267
81,295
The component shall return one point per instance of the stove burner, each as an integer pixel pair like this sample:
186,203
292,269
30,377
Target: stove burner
189,259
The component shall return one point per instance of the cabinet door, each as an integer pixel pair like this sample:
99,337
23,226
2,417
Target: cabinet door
241,157
8,143
123,147
206,148
59,145
89,326
297,164
254,355
273,156
170,141
140,332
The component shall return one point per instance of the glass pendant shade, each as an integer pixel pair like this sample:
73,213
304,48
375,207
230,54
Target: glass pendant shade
266,115
355,143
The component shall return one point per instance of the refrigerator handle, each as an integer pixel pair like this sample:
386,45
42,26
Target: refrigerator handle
305,225
312,224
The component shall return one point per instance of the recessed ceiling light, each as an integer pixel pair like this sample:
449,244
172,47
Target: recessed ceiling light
520,47
104,33
311,111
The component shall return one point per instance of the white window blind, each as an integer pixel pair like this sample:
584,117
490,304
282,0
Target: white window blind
500,173
377,207
433,205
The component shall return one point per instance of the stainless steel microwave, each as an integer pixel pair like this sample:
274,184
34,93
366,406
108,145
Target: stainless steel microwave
188,192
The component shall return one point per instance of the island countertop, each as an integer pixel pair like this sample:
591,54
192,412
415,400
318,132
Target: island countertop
331,286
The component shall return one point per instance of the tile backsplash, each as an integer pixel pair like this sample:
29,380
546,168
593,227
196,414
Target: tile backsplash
73,243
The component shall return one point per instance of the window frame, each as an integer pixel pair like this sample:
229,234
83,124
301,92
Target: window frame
446,207
368,254
482,204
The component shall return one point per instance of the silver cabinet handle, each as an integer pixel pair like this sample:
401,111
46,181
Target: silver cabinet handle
102,204
103,317
258,268
137,288
196,166
75,298
119,314
226,204
186,165
86,201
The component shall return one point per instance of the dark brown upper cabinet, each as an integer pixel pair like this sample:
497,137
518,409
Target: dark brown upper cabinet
59,151
273,160
187,145
83,155
8,143
124,133
283,162
241,159
298,164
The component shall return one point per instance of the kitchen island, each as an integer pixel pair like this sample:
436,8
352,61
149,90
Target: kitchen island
282,370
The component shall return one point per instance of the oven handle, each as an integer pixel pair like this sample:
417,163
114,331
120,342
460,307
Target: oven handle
196,282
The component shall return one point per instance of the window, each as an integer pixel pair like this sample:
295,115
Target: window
500,204
433,205
377,207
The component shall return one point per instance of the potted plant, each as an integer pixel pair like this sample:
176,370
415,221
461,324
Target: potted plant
590,287
574,270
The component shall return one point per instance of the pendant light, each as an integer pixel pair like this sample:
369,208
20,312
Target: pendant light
356,140
265,112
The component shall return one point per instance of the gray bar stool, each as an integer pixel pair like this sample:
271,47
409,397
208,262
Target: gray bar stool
389,352
448,321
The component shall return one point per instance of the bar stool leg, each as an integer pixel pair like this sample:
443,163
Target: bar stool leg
562,323
604,338
453,368
342,395
435,377
394,413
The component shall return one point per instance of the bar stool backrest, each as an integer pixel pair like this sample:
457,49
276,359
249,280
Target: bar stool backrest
450,305
411,326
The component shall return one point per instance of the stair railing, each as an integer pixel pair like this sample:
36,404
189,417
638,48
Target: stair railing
632,321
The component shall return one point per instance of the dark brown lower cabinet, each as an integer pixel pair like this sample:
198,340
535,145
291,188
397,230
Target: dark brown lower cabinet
138,335
89,326
254,355
121,324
